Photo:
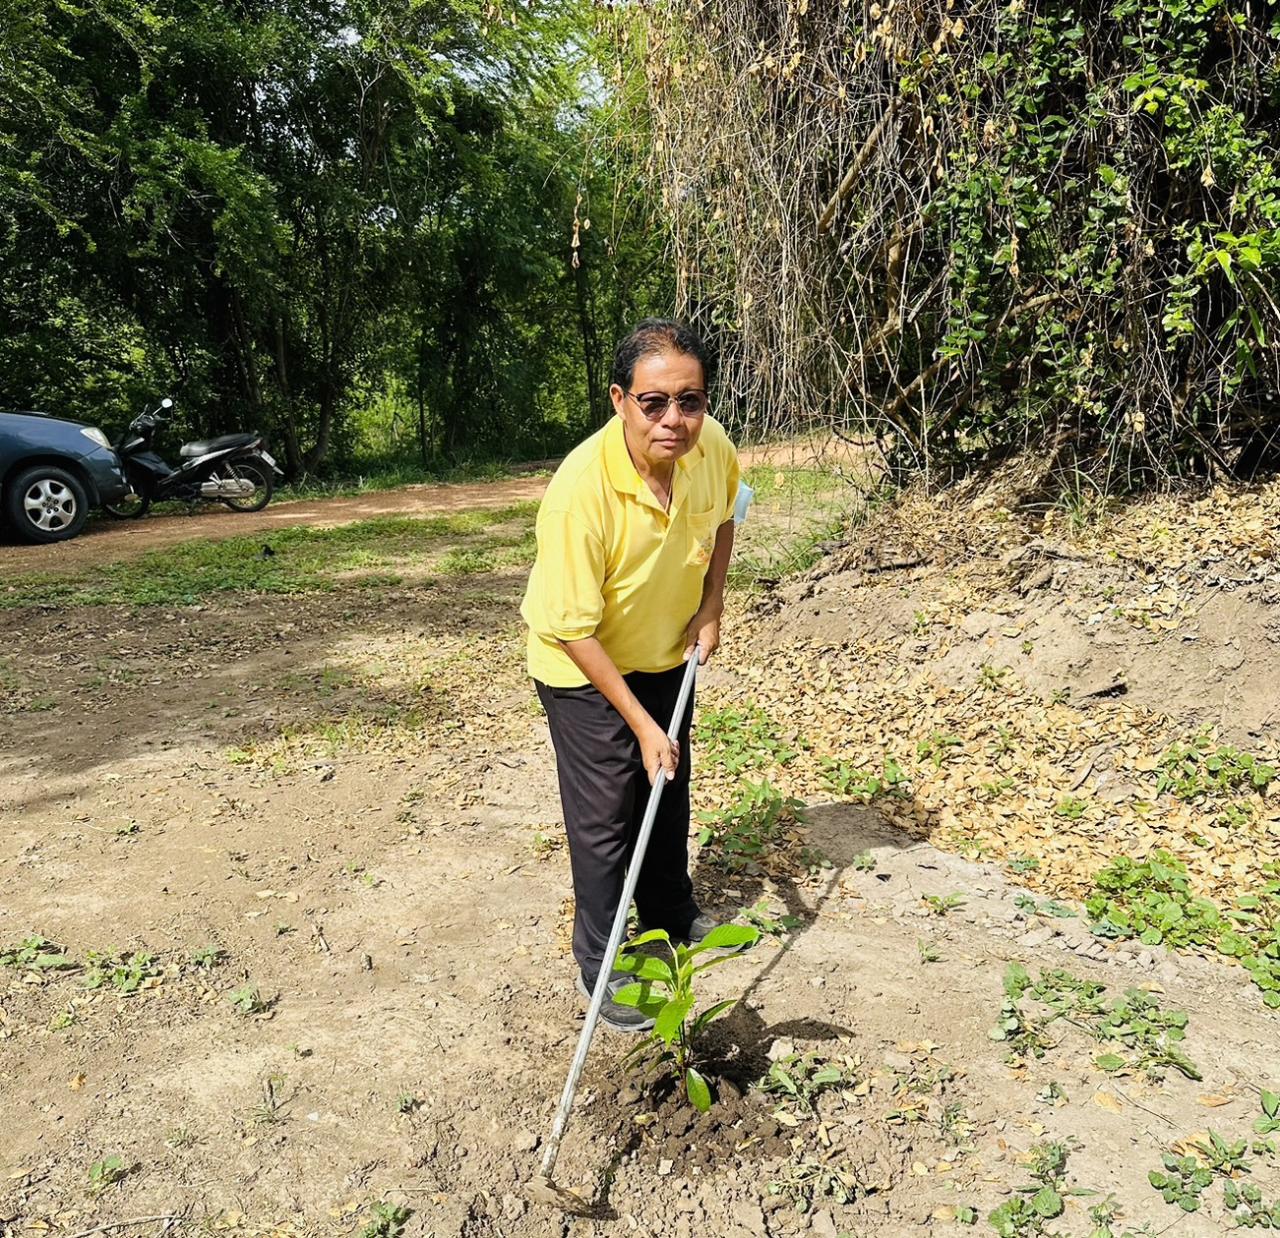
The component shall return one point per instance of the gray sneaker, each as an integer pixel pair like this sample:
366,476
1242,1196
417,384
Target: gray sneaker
614,1016
697,930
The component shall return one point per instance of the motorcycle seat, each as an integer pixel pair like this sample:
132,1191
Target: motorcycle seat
224,442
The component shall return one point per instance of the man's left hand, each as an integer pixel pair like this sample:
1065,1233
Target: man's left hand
703,630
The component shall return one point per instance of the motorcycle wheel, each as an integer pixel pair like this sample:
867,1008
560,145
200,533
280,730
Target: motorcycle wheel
258,471
130,508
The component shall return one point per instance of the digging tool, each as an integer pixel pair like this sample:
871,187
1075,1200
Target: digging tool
543,1189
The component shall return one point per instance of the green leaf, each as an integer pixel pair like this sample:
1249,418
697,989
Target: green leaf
1047,1202
645,938
670,1019
711,1014
1270,1103
696,1089
1110,1062
727,937
647,967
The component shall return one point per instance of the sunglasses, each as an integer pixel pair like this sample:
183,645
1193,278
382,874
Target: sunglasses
654,404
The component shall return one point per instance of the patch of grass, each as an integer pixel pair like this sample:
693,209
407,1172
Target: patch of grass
848,781
736,838
302,560
1151,900
741,739
1198,769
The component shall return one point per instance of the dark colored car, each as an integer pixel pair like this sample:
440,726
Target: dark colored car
52,471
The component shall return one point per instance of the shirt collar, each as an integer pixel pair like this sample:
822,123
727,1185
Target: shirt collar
622,473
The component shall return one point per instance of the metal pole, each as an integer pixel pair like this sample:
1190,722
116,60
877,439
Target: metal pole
615,936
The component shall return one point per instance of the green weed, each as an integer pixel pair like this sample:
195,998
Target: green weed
248,999
942,904
126,972
763,917
388,1221
806,1182
1151,900
1198,769
1037,1203
738,740
36,953
106,1172
846,780
802,1077
739,836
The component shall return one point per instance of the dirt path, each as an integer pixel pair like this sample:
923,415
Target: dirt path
109,540
105,539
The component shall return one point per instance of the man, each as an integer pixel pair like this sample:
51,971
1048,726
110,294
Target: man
634,538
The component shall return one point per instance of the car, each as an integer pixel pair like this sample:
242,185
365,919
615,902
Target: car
52,471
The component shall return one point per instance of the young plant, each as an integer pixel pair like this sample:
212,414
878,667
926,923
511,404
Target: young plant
664,991
1269,1123
1041,1200
106,1172
803,1077
739,836
1183,1181
36,953
762,916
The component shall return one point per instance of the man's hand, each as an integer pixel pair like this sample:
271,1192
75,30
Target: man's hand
658,752
704,630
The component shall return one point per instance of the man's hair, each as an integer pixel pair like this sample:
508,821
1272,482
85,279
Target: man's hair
651,336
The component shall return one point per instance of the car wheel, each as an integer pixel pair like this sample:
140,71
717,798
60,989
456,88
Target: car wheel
46,504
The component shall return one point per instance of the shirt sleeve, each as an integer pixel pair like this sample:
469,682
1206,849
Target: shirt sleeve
570,567
733,476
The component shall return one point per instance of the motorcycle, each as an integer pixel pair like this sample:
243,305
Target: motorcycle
234,469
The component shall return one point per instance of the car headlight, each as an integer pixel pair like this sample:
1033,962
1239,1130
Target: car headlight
96,435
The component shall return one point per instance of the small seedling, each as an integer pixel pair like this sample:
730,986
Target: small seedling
807,1182
941,904
1050,907
270,1107
248,999
763,917
128,830
740,740
672,1044
388,1221
848,781
1024,864
1041,1200
37,953
929,952
1072,808
406,1102
936,748
1227,1159
106,1172
1269,1123
803,1077
127,972
1248,1208
181,1138
1183,1181
864,862
208,958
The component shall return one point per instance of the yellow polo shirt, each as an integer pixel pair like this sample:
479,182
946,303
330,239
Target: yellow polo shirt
612,564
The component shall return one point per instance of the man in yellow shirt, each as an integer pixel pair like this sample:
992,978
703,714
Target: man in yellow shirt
634,538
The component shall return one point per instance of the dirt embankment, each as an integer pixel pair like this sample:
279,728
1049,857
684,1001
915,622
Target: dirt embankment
303,858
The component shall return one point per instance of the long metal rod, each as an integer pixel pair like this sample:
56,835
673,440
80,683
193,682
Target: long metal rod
615,936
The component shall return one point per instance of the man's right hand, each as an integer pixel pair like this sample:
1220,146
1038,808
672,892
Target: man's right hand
658,752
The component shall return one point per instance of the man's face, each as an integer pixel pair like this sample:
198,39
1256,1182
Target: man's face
666,437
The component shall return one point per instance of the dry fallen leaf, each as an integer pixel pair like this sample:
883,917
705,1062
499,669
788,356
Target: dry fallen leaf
1106,1101
76,1082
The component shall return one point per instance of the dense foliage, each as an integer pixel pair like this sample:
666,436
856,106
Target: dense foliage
966,226
361,225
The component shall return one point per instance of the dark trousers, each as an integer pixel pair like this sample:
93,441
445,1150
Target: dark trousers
603,792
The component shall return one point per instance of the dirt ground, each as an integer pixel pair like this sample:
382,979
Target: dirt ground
304,855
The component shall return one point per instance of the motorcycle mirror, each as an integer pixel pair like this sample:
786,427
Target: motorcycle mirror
166,403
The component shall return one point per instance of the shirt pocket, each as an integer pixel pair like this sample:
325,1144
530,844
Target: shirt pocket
702,537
